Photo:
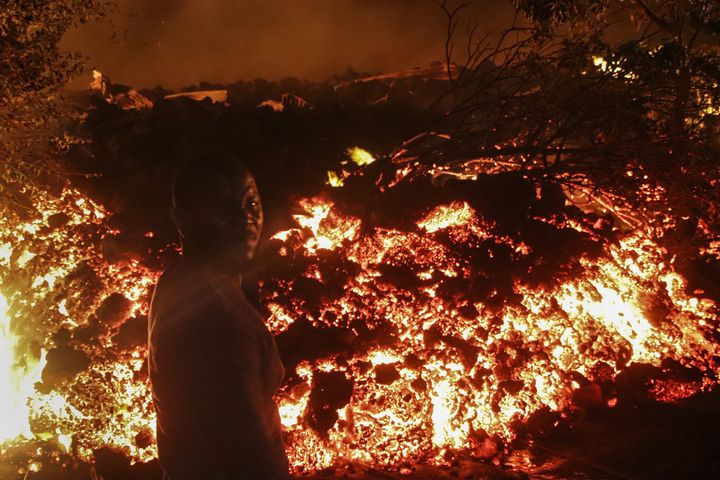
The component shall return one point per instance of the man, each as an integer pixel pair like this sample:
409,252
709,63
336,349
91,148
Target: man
214,366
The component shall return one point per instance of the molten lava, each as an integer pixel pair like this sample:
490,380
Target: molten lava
447,337
464,369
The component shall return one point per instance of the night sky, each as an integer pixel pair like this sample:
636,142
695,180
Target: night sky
175,43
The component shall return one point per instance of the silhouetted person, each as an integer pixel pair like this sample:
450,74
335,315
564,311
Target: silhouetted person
214,365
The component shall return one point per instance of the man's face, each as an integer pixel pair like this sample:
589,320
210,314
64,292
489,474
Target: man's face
226,225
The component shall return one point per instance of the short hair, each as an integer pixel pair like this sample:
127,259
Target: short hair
202,175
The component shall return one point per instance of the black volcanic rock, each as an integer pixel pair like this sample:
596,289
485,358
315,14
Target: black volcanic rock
63,362
132,333
386,374
330,392
113,311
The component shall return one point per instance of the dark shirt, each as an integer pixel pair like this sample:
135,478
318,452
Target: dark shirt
214,367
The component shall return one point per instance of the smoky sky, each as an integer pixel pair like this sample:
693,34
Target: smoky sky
175,43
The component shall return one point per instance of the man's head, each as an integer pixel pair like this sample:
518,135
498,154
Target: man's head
217,210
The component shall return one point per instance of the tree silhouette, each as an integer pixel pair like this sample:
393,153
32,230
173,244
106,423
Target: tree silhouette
617,100
33,117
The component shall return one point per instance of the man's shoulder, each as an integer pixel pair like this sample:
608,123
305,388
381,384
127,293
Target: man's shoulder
174,276
182,292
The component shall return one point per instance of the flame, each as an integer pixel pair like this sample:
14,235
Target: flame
600,62
327,231
334,179
360,156
17,381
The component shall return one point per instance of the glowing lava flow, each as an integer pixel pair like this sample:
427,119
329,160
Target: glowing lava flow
449,336
453,369
86,312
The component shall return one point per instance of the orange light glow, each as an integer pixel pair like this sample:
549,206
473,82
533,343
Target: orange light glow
451,363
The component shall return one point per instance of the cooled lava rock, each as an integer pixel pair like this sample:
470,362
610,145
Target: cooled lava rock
113,311
132,333
330,392
111,464
63,362
386,374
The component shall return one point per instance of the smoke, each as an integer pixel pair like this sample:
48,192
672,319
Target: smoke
180,42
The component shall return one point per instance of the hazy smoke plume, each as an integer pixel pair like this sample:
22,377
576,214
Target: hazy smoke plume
180,42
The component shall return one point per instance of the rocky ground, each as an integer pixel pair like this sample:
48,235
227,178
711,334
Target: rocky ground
131,159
